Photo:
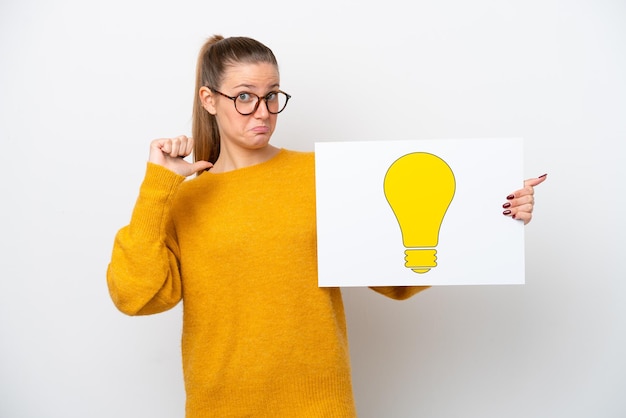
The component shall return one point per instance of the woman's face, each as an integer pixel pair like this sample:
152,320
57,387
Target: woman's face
245,131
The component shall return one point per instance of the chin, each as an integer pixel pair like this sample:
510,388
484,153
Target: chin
261,141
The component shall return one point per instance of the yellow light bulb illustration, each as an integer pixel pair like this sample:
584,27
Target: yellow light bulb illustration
419,188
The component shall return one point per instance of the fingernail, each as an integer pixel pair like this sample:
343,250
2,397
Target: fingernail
506,205
543,175
509,197
506,212
513,216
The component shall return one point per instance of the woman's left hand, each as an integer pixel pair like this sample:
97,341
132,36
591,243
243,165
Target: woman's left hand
520,203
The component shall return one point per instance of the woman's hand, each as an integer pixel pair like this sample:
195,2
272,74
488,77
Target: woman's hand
170,153
520,203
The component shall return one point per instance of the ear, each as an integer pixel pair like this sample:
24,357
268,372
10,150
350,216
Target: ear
208,99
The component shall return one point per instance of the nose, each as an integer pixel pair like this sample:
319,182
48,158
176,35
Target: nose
262,110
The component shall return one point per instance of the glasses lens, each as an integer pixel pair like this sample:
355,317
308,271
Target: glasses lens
276,102
246,103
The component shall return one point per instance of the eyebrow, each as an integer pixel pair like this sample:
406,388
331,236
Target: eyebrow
250,86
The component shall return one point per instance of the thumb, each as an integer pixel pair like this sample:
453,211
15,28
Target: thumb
535,181
201,166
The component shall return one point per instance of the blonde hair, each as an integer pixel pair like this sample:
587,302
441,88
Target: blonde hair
216,55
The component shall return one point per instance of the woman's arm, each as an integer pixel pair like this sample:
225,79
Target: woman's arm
143,275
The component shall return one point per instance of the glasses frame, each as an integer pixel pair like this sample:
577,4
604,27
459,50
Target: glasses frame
256,106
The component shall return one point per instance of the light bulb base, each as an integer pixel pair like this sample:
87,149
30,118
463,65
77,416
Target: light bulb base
420,260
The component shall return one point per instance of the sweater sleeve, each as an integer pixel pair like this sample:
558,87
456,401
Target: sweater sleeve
143,275
399,292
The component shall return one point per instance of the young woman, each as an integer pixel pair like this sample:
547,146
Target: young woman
237,244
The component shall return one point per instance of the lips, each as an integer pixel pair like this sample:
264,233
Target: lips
261,129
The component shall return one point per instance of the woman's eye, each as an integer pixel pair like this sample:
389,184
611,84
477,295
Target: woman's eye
270,96
244,97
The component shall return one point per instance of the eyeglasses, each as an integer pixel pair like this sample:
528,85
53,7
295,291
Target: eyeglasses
247,103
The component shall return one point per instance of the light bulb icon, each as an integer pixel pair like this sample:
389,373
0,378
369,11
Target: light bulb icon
419,187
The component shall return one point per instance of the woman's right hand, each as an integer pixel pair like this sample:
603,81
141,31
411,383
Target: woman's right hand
170,153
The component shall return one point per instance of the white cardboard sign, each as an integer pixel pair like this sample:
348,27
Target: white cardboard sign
418,212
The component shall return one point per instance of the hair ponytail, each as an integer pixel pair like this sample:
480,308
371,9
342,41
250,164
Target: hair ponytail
204,126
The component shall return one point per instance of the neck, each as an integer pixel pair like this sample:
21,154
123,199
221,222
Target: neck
230,159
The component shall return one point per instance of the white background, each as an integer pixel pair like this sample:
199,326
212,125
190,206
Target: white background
359,239
86,85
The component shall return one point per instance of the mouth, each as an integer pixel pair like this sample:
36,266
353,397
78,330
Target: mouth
261,129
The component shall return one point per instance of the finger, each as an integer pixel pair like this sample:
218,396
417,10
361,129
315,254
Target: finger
199,166
183,145
186,146
176,144
516,211
189,146
528,199
526,208
535,181
526,191
156,151
528,187
166,147
163,145
523,213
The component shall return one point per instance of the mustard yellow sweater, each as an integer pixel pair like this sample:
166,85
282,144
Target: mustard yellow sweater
260,338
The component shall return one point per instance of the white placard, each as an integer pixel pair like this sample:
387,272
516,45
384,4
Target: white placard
418,212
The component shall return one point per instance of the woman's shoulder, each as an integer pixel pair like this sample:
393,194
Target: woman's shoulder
298,156
297,153
295,160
